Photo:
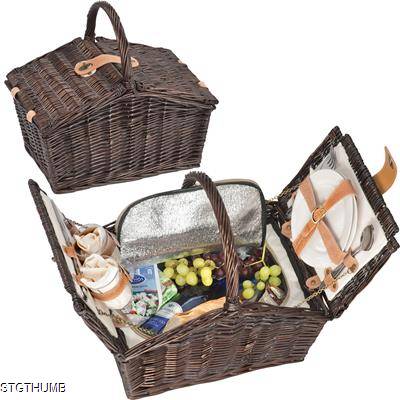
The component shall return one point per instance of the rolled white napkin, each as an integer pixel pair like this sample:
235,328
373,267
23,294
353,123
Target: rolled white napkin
96,267
101,275
92,242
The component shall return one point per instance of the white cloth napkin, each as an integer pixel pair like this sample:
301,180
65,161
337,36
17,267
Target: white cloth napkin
95,268
93,242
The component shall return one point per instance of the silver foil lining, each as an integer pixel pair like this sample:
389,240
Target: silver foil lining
169,225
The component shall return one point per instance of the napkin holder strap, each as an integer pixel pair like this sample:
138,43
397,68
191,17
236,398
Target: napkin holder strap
110,294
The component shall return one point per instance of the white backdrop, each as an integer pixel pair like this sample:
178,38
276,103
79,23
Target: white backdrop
285,73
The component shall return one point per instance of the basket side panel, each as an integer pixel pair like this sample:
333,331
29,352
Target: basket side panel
135,137
34,143
228,345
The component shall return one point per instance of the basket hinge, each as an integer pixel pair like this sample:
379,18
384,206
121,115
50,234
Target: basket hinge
14,91
29,115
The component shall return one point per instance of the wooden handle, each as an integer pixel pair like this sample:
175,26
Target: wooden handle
232,260
122,41
385,178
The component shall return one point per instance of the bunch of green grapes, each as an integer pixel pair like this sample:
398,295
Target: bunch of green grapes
185,274
266,275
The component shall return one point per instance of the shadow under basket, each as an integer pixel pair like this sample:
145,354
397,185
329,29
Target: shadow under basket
140,114
239,337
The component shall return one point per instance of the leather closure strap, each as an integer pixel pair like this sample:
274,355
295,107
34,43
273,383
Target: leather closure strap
385,178
89,67
317,219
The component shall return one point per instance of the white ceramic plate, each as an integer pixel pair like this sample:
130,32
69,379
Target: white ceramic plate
340,218
354,227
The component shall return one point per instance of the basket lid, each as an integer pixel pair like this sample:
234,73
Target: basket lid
160,71
60,237
372,211
49,86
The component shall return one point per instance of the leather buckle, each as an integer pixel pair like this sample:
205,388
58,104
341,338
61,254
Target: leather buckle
317,214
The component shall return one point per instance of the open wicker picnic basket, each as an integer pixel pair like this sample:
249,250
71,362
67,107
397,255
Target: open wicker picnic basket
97,111
238,337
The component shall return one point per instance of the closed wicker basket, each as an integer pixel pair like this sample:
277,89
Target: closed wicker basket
98,111
240,337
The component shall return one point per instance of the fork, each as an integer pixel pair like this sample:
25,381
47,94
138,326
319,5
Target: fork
329,162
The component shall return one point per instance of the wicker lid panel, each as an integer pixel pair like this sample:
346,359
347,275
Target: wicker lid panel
49,85
160,71
338,304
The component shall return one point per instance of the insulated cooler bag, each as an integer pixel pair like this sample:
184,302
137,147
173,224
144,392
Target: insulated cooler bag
238,337
97,111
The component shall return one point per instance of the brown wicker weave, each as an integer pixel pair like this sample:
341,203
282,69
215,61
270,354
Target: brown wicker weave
238,338
121,123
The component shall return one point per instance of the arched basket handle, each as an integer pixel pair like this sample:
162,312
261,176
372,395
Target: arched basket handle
232,260
122,41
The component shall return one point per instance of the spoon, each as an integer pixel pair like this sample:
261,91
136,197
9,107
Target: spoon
366,243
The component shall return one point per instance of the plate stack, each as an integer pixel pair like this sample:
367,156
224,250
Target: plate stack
341,219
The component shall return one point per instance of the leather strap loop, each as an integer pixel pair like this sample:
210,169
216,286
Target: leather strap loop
14,91
330,281
314,282
350,263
